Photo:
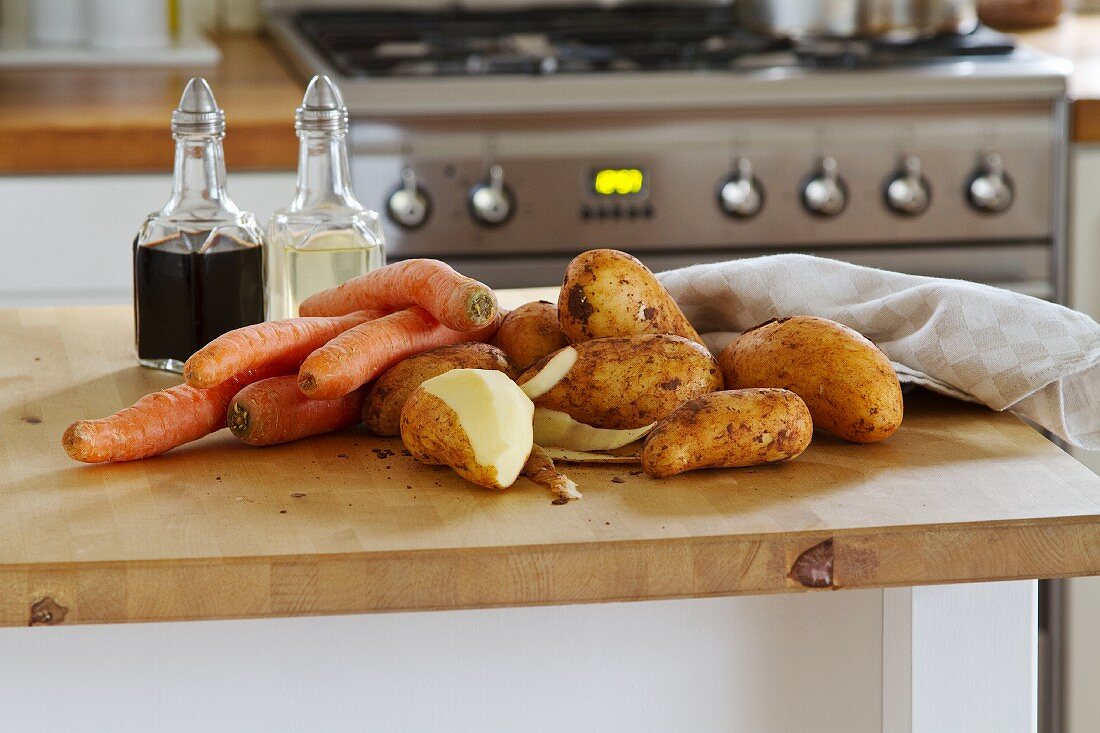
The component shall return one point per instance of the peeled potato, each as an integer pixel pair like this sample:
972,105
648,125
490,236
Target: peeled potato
622,383
529,333
743,427
386,397
848,384
609,293
477,421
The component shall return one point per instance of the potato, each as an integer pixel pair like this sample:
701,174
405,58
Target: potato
386,397
624,382
848,384
529,333
609,293
743,427
477,421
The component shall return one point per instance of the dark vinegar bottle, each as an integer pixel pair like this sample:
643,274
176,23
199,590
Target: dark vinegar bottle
198,262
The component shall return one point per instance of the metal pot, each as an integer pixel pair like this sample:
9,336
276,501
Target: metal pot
891,19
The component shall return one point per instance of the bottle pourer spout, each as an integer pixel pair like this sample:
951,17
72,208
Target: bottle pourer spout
322,108
198,111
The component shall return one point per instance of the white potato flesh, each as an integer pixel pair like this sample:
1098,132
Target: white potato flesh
495,415
554,428
552,373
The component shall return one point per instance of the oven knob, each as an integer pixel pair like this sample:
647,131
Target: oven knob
907,192
491,202
740,194
824,192
408,205
989,190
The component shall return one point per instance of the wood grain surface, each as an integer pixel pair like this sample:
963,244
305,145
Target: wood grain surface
118,119
347,523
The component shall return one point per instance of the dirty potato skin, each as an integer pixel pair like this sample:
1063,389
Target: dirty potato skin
845,380
386,397
432,433
529,333
628,382
743,427
610,293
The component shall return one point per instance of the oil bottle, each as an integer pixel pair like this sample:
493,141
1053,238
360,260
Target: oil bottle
325,236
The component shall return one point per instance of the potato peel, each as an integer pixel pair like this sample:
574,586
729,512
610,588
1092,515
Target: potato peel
540,469
558,429
551,373
580,456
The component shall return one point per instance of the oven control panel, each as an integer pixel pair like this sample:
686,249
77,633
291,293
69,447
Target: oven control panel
928,176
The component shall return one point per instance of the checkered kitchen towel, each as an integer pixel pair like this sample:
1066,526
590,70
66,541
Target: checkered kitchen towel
974,342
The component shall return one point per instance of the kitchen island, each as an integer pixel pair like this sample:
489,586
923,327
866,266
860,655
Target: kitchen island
347,523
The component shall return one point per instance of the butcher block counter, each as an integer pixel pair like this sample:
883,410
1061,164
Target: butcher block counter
349,523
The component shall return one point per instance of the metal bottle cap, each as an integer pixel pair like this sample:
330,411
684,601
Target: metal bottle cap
198,111
322,108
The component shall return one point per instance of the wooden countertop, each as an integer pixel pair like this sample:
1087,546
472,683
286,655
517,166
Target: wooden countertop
345,523
1077,38
117,119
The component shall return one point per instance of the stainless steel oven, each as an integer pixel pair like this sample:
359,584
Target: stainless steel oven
505,141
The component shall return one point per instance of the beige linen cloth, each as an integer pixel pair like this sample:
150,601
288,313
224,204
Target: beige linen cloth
973,342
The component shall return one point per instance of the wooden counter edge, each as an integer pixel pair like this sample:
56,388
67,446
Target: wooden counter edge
1085,121
692,567
253,147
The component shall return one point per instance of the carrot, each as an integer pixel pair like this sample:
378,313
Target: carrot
275,411
284,342
360,354
458,302
157,422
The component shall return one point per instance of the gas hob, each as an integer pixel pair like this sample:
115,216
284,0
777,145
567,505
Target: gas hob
590,58
585,40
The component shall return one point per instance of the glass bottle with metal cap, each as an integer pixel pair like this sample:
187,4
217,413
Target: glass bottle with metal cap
325,236
198,261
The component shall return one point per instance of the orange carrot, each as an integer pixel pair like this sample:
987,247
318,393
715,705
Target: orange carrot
275,411
456,301
360,354
276,342
157,422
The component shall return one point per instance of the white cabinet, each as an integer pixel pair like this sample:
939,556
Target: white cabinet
67,239
935,659
1083,594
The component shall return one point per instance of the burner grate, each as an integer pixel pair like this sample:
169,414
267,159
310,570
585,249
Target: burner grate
588,39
